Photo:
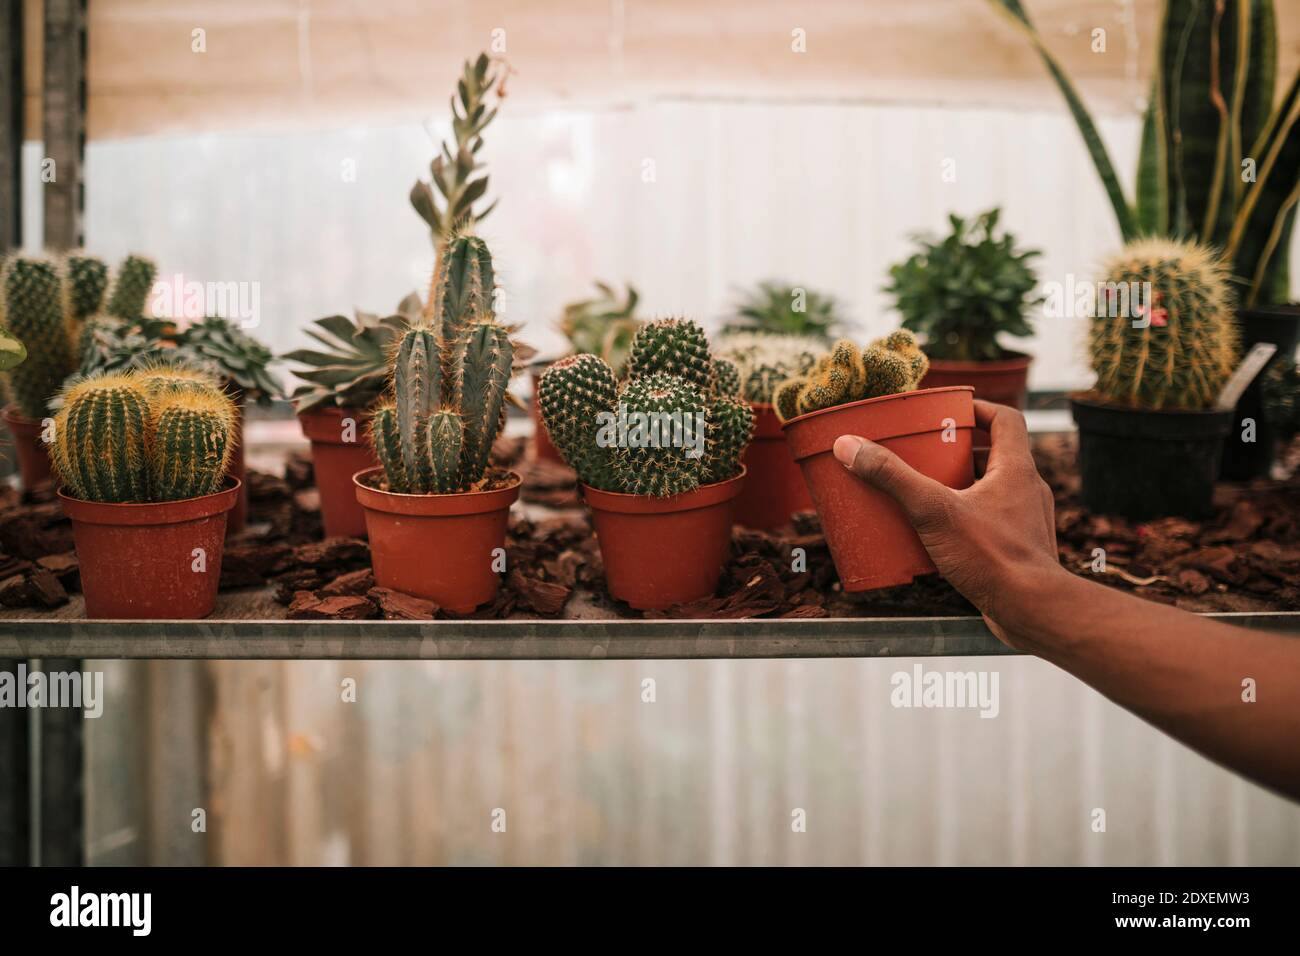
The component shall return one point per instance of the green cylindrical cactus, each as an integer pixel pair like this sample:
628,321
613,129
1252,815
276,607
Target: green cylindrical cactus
386,439
102,439
673,346
417,384
1163,335
85,279
131,286
670,462
445,436
481,361
33,310
191,443
571,394
464,287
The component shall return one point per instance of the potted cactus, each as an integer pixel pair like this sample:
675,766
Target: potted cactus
872,393
435,511
1150,436
774,488
780,308
602,325
961,293
344,378
142,459
658,457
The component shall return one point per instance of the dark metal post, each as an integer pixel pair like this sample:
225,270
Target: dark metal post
63,112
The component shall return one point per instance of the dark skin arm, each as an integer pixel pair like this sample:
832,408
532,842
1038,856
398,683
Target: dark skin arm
996,543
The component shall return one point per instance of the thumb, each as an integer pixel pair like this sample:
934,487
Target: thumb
919,495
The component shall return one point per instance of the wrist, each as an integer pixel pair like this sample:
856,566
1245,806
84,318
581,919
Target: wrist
1034,607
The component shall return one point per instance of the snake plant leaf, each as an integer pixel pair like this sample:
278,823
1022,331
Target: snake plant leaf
1153,171
12,350
1015,12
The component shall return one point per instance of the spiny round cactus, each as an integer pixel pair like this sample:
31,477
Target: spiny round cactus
131,287
161,377
765,360
33,310
1164,334
668,460
730,427
887,366
571,395
101,440
191,443
726,378
85,278
674,346
117,441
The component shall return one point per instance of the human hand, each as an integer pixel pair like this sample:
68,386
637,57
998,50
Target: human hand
995,541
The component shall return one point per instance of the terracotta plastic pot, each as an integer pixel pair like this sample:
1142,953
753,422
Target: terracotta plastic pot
33,457
438,547
775,489
659,552
543,449
334,461
1004,381
870,539
149,561
1144,464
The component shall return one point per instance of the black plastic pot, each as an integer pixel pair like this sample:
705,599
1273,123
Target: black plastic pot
1279,325
1143,464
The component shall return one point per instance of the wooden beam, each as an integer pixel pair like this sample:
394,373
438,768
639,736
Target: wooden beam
11,125
63,121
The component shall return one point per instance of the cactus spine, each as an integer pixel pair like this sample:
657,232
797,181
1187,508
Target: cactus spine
886,366
449,375
33,310
118,441
1163,335
643,437
131,287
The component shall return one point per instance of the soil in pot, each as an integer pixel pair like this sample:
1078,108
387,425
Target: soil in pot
543,449
339,449
160,560
29,448
1004,381
1143,464
775,489
659,552
1279,325
448,549
870,539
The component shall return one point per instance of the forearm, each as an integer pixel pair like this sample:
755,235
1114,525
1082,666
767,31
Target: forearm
1231,693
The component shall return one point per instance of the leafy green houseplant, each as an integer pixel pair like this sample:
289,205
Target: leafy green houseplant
781,308
659,458
1150,435
435,510
142,457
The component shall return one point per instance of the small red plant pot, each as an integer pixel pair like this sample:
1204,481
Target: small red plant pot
447,549
33,456
158,560
339,449
543,449
1004,381
775,489
659,552
870,539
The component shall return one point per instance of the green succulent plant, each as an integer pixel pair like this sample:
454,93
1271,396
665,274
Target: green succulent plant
785,309
85,279
963,290
673,382
238,357
887,366
349,369
123,437
603,325
763,360
32,310
1220,159
131,286
449,382
1183,347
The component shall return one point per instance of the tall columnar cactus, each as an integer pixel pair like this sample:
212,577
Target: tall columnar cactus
1163,335
33,311
449,384
116,440
886,366
85,279
131,286
603,430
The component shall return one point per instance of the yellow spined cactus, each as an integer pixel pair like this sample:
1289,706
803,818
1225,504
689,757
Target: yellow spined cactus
887,366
